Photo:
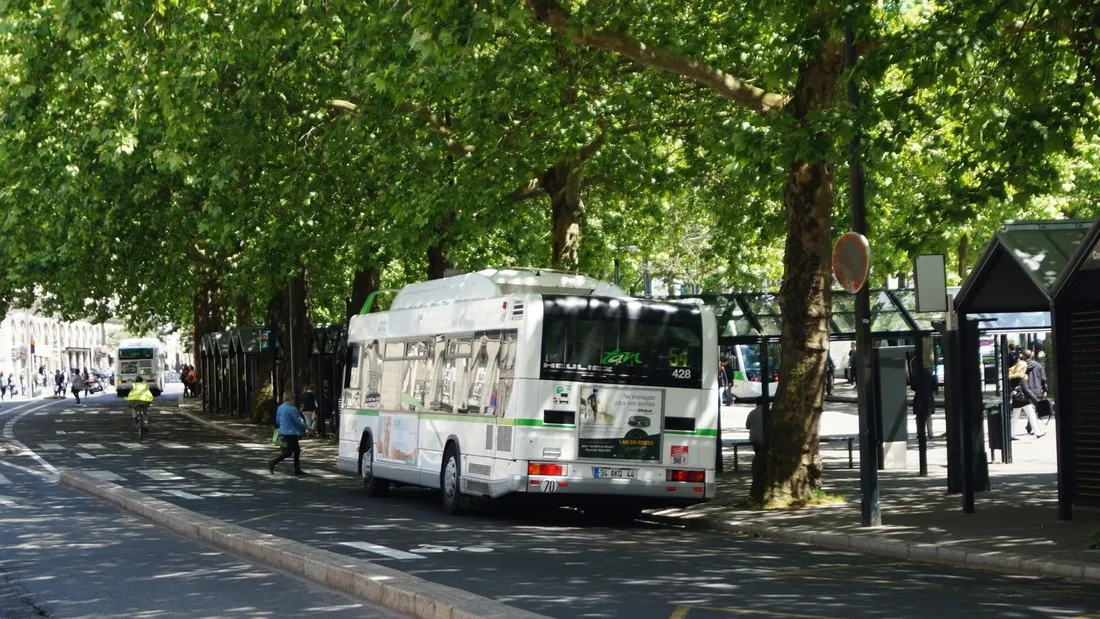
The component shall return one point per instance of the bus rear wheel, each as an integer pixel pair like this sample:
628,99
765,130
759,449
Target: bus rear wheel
449,482
374,487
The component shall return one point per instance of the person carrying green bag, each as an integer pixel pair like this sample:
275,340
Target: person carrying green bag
291,426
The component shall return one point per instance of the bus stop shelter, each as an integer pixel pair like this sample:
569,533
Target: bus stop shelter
326,345
1030,270
754,318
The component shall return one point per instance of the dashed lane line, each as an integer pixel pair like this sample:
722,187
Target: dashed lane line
159,475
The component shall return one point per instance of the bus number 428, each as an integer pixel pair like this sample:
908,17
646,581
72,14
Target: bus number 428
682,373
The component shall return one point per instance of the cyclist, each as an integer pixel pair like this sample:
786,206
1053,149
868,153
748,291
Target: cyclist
139,397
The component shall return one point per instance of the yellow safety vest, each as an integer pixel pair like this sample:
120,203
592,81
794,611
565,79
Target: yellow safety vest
140,393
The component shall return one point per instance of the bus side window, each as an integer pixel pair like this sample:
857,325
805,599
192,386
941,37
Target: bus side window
373,371
506,373
394,360
354,357
477,376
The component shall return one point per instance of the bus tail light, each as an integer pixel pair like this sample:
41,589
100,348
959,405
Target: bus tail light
535,468
695,477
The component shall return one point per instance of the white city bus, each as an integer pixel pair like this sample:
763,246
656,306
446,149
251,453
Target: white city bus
533,383
139,359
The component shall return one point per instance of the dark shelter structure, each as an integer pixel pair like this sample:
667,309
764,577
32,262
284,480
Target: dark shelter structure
1051,267
753,319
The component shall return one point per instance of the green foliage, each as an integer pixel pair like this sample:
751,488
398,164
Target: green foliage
148,148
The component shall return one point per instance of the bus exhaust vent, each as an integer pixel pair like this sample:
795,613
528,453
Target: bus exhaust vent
477,487
517,310
488,438
480,469
504,438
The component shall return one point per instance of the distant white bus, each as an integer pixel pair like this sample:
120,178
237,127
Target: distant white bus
139,359
534,384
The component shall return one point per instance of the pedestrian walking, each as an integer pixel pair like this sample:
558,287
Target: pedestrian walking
853,363
291,426
309,407
59,388
1024,397
77,385
23,385
4,387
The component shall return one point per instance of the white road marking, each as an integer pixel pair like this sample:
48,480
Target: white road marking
392,553
43,413
104,476
61,431
8,501
91,446
266,473
133,445
215,446
254,446
34,472
86,456
68,412
174,445
183,495
4,480
219,495
214,474
50,446
159,475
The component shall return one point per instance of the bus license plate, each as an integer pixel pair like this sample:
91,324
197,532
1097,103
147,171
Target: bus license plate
606,473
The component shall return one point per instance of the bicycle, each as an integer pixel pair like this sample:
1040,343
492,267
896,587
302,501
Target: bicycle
140,413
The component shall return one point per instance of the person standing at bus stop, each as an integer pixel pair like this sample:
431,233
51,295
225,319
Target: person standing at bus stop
291,427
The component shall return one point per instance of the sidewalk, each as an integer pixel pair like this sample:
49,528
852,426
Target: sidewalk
315,451
1014,528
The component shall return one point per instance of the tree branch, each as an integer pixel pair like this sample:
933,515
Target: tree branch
433,121
530,189
725,85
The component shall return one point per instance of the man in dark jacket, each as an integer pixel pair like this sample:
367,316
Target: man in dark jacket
1035,386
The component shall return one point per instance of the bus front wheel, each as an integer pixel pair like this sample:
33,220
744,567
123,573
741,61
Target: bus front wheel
449,482
374,487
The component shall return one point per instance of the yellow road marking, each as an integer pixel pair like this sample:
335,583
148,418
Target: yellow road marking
818,570
680,612
259,518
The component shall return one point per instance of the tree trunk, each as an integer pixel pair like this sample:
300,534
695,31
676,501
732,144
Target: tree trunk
363,284
437,252
903,280
793,459
563,184
208,310
296,292
964,256
243,311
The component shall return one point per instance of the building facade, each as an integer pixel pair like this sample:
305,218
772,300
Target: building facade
56,345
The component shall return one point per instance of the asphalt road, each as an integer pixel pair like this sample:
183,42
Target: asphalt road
555,563
64,554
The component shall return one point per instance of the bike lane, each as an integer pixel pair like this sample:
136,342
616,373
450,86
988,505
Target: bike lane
555,564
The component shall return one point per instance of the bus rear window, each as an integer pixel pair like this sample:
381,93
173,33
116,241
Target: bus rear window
602,341
135,353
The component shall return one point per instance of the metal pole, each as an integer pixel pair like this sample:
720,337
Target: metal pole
870,507
290,337
922,392
648,284
617,275
1006,404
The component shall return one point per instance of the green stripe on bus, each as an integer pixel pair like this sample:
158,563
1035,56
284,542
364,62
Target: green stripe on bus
538,423
364,413
702,432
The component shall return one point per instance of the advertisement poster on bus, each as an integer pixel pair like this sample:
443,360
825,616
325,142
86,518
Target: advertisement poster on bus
398,441
620,423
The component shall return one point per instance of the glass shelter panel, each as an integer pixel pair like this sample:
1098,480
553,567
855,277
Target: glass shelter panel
1044,250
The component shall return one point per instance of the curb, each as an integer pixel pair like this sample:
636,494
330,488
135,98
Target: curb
357,578
214,425
955,556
